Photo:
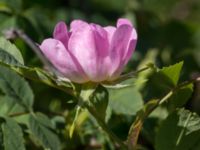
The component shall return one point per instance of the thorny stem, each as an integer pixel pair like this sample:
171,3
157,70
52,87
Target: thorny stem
137,124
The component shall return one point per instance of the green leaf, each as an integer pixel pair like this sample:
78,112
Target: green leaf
125,101
10,48
180,97
99,100
47,138
15,87
180,131
44,120
12,135
172,73
7,58
8,105
163,81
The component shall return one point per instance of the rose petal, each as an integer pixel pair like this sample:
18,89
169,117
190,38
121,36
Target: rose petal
101,40
110,31
126,55
131,47
60,33
78,25
119,46
56,52
102,52
123,21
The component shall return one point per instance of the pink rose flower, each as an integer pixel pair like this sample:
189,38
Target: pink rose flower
89,52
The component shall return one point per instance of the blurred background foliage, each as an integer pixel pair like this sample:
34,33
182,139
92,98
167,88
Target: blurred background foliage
168,32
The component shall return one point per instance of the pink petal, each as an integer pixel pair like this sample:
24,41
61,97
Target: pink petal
56,52
110,31
102,52
60,33
77,25
89,44
131,47
123,21
101,40
119,70
127,53
119,46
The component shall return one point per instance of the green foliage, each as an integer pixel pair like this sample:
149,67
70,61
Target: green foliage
126,100
10,106
16,88
7,58
17,98
177,96
171,74
6,46
163,80
180,98
12,135
42,129
180,131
